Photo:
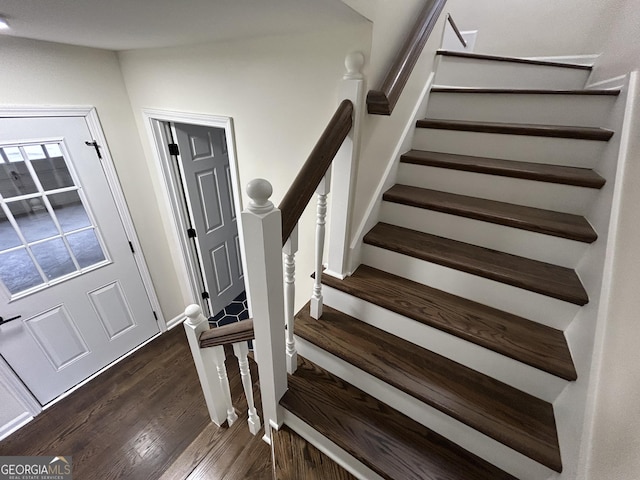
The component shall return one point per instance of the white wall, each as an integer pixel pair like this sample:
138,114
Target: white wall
280,92
616,415
42,73
615,443
541,28
620,49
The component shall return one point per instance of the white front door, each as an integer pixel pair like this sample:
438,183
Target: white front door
206,178
71,296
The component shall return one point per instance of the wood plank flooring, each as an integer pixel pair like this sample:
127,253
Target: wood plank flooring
146,418
296,459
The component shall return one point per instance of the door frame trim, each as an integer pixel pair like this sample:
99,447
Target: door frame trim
90,115
154,119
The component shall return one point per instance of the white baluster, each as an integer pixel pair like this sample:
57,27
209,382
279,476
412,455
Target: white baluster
224,382
344,168
205,362
242,350
289,250
262,227
316,298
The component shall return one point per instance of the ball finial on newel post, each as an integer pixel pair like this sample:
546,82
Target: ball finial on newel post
259,191
354,62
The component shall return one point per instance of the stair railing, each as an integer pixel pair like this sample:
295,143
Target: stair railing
383,100
456,30
207,347
271,240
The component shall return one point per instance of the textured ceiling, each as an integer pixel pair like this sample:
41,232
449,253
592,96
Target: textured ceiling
132,24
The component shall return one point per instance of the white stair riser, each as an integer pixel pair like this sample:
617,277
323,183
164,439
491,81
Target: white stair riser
507,370
548,196
475,442
524,148
330,449
464,72
570,110
537,246
530,305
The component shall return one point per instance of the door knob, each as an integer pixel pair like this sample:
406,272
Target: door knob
3,321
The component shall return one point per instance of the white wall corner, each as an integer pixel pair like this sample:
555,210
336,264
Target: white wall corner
366,8
388,179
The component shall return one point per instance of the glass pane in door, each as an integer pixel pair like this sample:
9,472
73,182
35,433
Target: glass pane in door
18,272
53,236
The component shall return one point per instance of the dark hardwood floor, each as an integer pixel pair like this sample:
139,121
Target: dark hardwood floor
145,418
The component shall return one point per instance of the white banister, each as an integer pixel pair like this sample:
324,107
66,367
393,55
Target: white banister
316,297
344,168
262,227
241,351
205,362
289,253
220,358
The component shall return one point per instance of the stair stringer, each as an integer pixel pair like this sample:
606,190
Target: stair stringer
584,335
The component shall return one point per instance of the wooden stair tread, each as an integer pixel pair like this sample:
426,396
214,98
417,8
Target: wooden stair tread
526,91
510,416
557,131
564,225
580,177
529,342
294,459
499,58
551,280
388,442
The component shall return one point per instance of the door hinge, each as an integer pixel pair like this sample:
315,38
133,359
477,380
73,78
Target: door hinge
191,232
95,145
205,295
131,247
173,149
155,315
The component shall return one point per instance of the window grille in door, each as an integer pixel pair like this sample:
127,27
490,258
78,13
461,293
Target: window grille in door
47,233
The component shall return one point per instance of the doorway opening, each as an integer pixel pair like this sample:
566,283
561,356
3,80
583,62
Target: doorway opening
196,154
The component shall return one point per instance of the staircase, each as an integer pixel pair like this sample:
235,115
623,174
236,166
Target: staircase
442,355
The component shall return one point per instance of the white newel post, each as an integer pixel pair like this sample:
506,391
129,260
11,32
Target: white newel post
289,252
316,297
345,165
262,226
205,362
241,351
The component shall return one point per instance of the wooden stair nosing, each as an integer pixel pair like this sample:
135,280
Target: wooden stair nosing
510,416
551,131
388,442
499,58
539,277
575,176
558,224
529,342
527,91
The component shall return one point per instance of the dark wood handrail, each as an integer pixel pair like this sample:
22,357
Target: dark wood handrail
383,100
315,168
456,31
228,334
